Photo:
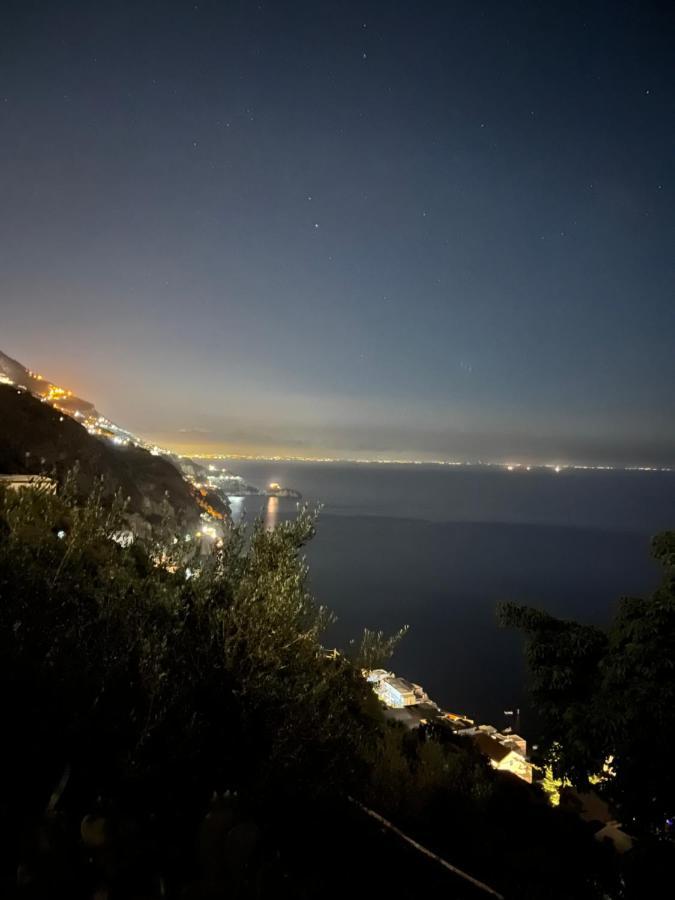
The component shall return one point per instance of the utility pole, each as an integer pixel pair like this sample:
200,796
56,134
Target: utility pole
516,718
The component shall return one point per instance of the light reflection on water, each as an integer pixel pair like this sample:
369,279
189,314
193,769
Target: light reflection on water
271,512
248,509
236,508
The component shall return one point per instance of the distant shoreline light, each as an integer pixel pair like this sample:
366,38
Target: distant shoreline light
510,467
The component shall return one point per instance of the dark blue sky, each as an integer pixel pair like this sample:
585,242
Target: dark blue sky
398,229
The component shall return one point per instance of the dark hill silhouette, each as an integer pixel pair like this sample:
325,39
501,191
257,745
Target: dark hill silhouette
35,437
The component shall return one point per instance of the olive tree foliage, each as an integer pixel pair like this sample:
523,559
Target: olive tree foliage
159,668
609,695
375,648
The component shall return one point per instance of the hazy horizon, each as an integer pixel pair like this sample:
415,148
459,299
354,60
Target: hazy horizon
234,437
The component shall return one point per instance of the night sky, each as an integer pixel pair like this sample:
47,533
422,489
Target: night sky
388,229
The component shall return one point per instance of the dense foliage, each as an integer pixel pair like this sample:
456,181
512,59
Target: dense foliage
607,697
127,652
147,685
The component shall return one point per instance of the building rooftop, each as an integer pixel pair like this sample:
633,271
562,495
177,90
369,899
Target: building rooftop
20,481
401,685
491,748
23,479
374,675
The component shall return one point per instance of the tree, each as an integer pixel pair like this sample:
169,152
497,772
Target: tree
129,650
608,696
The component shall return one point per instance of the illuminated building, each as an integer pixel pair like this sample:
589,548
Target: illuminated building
505,752
21,482
396,692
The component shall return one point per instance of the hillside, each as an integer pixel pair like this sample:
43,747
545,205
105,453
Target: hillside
23,377
35,437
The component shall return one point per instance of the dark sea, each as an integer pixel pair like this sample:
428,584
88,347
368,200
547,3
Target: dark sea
436,548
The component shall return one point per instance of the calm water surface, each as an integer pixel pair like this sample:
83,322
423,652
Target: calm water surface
437,548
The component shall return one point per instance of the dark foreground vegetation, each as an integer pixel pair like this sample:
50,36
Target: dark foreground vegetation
172,727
